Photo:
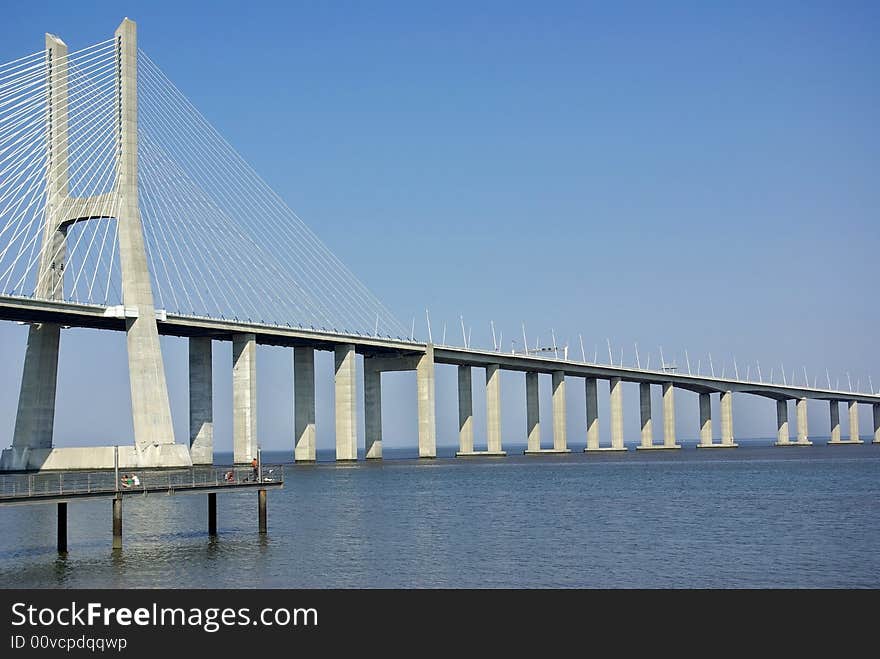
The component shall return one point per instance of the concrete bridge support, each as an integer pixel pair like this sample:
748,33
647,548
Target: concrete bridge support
244,398
854,423
493,410
727,419
616,400
560,438
645,416
426,405
346,403
201,401
705,421
615,391
782,434
876,407
304,404
151,412
372,411
591,390
493,413
465,411
853,408
803,438
669,417
150,408
834,415
533,414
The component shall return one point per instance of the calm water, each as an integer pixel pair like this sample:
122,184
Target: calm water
751,517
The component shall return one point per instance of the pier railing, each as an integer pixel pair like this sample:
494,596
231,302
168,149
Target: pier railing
83,483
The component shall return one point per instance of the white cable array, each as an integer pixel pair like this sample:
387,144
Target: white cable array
31,175
220,241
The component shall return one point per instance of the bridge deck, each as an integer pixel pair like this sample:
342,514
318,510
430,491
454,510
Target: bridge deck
58,486
70,314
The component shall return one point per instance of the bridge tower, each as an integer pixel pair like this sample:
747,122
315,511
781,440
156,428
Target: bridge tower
154,445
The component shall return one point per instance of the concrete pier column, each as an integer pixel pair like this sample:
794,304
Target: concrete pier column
346,403
834,415
62,527
372,411
304,404
34,421
876,407
212,514
117,522
151,412
465,410
533,413
560,438
263,515
493,408
854,423
669,416
427,409
645,410
727,419
782,435
592,393
802,430
705,420
201,401
616,396
244,398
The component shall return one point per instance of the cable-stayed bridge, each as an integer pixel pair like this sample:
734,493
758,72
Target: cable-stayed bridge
122,209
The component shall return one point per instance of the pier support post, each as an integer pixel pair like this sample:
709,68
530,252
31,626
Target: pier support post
372,411
533,413
346,403
705,420
727,419
493,409
150,408
782,435
802,430
201,405
465,411
117,522
854,423
261,498
212,514
427,410
244,398
591,390
560,437
616,397
62,527
669,416
834,415
645,412
304,404
876,423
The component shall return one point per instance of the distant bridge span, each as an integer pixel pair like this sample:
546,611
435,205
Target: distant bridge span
114,188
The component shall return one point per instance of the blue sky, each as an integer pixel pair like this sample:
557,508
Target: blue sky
678,174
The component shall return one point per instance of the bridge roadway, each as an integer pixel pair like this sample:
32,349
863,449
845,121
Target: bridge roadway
31,310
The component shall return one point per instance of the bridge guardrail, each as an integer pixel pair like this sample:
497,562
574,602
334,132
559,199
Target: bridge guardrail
77,483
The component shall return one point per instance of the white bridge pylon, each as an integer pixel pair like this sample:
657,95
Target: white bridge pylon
115,191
